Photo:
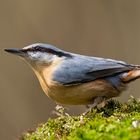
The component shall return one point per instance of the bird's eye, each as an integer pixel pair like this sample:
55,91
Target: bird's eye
38,48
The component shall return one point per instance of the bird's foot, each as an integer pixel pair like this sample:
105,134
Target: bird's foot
60,111
99,102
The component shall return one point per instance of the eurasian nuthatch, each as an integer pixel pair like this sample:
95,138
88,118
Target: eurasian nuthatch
75,79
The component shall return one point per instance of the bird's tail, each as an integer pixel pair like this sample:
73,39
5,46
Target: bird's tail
132,74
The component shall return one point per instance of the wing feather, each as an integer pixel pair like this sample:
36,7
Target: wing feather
82,69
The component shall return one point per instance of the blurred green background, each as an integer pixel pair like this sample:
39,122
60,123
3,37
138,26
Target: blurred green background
105,28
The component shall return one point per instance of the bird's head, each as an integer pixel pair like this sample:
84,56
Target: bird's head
39,54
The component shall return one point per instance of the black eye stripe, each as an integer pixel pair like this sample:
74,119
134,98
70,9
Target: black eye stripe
47,50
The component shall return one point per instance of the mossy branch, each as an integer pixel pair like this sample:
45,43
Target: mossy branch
114,121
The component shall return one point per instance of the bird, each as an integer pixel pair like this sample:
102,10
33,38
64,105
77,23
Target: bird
74,79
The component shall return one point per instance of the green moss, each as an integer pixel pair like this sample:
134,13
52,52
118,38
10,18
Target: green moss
114,121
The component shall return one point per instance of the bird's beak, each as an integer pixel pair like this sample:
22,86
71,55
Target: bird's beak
18,52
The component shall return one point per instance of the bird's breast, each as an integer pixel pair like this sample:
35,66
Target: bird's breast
82,94
45,75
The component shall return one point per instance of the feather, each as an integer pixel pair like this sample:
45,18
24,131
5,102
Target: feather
82,69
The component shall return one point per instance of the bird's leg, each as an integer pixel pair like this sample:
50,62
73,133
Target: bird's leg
87,106
97,101
60,111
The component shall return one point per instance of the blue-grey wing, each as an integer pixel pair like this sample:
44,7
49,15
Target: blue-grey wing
81,69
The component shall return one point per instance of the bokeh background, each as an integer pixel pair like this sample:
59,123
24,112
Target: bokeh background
105,28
